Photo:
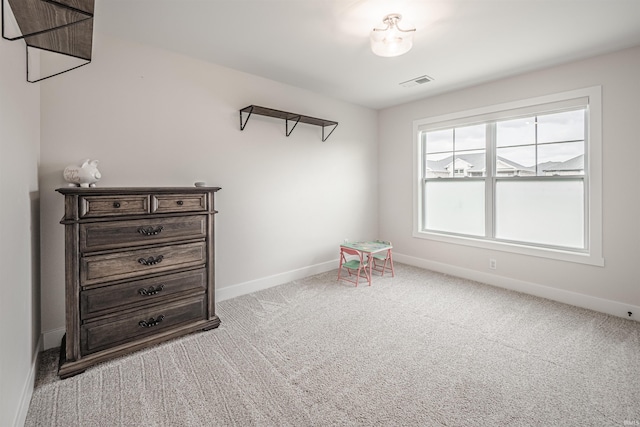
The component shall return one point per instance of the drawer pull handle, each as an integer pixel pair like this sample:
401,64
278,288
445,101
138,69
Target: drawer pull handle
151,322
180,202
116,205
151,260
151,291
150,231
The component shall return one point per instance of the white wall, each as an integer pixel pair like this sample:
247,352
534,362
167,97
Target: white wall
154,118
612,288
19,236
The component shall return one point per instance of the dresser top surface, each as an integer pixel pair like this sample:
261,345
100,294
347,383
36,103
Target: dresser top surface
84,191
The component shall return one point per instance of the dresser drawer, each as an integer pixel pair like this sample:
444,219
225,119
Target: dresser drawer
98,206
119,234
106,333
97,301
165,203
140,262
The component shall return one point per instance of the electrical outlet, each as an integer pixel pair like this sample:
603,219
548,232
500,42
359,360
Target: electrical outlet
493,264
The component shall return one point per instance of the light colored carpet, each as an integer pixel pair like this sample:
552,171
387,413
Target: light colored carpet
422,349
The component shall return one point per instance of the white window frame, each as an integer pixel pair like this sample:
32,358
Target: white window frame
593,174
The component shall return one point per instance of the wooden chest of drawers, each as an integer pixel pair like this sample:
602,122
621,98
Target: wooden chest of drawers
139,270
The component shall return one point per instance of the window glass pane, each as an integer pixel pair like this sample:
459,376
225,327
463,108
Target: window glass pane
455,206
438,165
516,132
470,163
566,158
470,137
440,141
565,126
541,212
516,161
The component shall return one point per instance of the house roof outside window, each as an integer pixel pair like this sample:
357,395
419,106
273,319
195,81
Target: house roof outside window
473,164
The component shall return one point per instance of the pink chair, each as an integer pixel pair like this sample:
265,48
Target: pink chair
352,261
382,261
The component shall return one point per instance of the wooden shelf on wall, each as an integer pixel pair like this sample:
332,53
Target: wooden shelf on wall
287,117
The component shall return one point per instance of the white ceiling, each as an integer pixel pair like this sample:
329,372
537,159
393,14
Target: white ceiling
323,45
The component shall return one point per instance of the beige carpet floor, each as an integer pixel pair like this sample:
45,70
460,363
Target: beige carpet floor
421,349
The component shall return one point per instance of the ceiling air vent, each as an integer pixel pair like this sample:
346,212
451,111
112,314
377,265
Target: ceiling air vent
417,81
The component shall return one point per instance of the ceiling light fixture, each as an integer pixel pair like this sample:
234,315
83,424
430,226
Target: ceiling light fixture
392,40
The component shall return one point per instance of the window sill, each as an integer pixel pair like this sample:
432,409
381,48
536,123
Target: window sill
589,258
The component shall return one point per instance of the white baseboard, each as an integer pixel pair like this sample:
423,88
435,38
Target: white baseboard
53,338
602,305
27,389
239,289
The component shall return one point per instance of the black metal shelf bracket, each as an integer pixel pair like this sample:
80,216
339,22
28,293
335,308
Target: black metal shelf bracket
328,135
286,123
245,110
287,117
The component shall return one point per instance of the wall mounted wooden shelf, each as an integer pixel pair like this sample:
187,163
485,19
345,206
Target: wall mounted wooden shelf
287,117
